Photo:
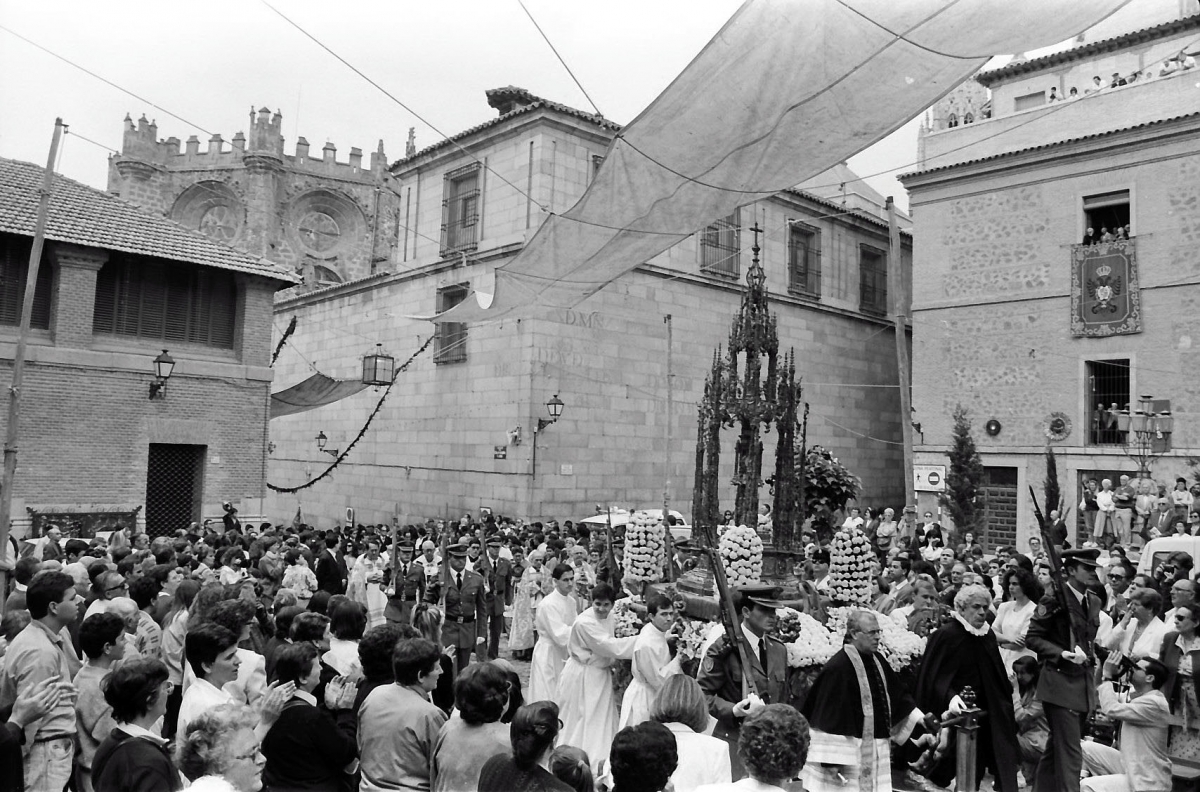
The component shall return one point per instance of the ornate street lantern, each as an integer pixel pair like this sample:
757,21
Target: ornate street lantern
379,368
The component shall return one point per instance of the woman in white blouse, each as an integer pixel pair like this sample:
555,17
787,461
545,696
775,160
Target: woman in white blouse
1140,632
1013,615
703,759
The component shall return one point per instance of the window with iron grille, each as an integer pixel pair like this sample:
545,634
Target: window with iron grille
720,246
804,260
451,344
165,300
14,267
460,210
1107,392
872,280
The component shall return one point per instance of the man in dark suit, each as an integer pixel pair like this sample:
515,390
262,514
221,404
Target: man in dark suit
720,675
466,610
328,572
499,594
407,585
1162,519
1064,641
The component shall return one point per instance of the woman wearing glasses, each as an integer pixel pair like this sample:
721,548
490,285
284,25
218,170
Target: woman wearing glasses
1181,655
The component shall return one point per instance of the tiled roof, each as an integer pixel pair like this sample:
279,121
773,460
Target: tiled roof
1092,48
535,103
83,215
1055,144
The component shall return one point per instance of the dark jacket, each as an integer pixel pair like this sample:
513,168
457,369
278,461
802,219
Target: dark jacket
1171,655
466,611
720,678
499,577
306,750
1064,683
12,764
133,764
329,574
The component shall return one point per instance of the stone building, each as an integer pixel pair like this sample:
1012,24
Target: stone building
460,429
1038,335
330,221
115,288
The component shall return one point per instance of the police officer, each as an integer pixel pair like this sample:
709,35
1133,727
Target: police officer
1064,641
466,610
408,585
721,671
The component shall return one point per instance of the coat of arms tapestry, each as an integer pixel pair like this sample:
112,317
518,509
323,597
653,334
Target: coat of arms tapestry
1105,295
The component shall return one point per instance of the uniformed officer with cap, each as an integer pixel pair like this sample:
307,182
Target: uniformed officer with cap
1064,644
465,627
408,585
720,674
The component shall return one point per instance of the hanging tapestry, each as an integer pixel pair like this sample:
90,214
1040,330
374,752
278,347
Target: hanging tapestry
1105,295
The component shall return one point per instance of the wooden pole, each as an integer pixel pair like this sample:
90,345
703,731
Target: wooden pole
18,373
670,539
899,312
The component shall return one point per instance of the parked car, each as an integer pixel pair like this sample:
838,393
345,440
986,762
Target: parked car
680,531
1157,550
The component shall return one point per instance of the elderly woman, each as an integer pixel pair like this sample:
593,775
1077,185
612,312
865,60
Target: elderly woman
532,734
133,758
555,615
1180,653
773,745
220,751
1140,632
467,741
529,592
965,653
703,759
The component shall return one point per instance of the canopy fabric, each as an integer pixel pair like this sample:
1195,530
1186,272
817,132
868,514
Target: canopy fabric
316,391
786,90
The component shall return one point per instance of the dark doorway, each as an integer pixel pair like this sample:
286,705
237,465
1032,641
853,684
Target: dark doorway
1081,533
174,487
999,508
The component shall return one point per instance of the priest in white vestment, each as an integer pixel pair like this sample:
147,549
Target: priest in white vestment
555,615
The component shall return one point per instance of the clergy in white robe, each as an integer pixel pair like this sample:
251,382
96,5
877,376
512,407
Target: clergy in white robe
587,704
555,615
652,662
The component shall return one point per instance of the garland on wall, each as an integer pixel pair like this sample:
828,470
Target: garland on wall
291,328
361,432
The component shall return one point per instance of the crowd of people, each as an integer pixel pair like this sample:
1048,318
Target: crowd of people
1179,62
285,658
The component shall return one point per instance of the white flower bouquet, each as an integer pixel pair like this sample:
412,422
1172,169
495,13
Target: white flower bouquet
645,547
741,550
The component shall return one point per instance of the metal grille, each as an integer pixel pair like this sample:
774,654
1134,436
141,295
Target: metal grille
720,246
451,344
174,487
999,508
460,210
804,260
872,280
1108,391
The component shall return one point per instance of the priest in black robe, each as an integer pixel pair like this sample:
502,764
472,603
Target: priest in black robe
965,653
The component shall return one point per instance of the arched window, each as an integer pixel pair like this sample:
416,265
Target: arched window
968,118
325,276
951,120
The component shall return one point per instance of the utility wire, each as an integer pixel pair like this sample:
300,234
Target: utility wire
560,58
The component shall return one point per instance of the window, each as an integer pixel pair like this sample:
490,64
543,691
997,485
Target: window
451,345
166,300
872,280
804,260
1107,392
597,161
460,210
1105,213
1036,99
720,246
14,266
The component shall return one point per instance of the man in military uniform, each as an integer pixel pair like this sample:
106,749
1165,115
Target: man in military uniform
499,594
407,585
721,671
1064,641
466,610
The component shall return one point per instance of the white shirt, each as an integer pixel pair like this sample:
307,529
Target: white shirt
702,759
199,698
1147,644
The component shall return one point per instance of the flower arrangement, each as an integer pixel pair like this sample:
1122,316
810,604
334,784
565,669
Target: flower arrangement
645,547
692,634
850,559
813,645
626,622
741,550
898,645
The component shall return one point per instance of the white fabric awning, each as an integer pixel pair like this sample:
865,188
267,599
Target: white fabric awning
786,90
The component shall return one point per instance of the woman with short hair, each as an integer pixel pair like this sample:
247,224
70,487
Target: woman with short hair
133,758
642,758
220,752
773,746
250,685
532,734
703,759
428,620
347,624
474,734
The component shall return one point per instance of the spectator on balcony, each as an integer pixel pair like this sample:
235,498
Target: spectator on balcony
1073,93
1053,97
1169,66
1096,87
1089,236
1106,235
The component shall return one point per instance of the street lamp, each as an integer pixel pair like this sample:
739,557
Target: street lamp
1149,432
164,366
555,408
379,368
321,441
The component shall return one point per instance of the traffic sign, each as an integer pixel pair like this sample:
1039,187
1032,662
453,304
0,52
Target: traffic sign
929,478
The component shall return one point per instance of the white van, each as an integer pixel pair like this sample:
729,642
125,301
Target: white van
680,531
1157,550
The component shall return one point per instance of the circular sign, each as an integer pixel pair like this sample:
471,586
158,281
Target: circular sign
934,478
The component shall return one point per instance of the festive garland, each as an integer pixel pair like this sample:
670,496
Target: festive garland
291,328
362,431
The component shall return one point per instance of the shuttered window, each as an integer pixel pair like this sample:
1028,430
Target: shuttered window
804,260
14,266
872,274
451,336
460,210
166,300
720,246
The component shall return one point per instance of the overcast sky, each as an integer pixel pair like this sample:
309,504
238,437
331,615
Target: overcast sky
209,62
